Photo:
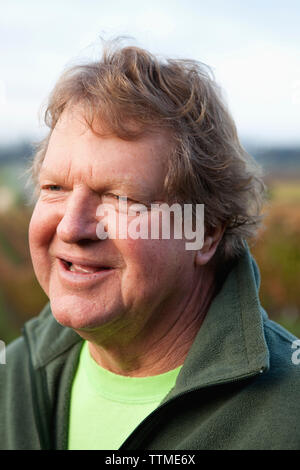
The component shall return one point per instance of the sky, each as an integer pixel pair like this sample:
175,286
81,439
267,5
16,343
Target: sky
253,48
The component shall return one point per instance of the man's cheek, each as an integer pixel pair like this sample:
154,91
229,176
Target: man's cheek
151,258
40,235
42,227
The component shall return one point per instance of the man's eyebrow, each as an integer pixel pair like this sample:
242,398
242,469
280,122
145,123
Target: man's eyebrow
114,183
127,187
48,172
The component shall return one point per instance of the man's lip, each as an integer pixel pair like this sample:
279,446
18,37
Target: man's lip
83,261
81,280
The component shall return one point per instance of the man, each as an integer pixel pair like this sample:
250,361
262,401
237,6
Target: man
146,344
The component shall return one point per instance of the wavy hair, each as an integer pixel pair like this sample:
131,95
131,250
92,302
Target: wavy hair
207,164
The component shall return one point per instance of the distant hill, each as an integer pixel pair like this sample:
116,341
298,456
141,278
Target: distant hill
15,153
274,159
279,159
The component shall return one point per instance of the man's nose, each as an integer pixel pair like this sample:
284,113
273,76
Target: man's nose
79,220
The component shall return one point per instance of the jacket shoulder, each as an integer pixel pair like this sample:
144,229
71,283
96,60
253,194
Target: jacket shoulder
282,347
35,382
15,354
14,373
17,428
274,396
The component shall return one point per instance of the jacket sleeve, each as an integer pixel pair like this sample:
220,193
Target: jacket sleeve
17,421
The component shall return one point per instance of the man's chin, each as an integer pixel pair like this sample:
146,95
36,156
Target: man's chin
84,317
76,322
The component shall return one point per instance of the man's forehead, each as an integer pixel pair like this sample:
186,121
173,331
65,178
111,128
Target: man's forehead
79,119
54,172
126,186
73,124
74,114
134,184
74,150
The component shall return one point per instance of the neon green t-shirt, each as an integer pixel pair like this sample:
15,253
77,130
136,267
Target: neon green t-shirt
106,407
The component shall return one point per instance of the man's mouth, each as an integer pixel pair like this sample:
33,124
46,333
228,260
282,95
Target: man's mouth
83,269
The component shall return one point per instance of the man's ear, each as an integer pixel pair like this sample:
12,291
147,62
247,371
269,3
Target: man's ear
211,242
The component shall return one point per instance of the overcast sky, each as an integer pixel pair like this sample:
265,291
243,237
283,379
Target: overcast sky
252,46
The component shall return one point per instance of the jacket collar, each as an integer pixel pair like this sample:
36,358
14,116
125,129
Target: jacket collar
47,339
230,344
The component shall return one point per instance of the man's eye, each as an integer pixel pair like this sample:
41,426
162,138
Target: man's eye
52,187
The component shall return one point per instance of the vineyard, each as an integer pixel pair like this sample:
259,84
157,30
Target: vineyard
277,251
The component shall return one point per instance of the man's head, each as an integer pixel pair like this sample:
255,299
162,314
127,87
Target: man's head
153,131
133,92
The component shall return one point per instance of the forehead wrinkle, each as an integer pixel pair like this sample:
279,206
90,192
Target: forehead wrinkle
56,173
125,184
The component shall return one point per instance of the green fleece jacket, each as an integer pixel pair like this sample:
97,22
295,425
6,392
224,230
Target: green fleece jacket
238,387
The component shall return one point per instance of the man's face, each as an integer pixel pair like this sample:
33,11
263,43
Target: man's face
112,283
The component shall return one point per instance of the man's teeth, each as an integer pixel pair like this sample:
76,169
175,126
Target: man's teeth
77,268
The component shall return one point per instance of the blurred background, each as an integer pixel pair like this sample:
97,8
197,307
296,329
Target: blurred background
254,51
